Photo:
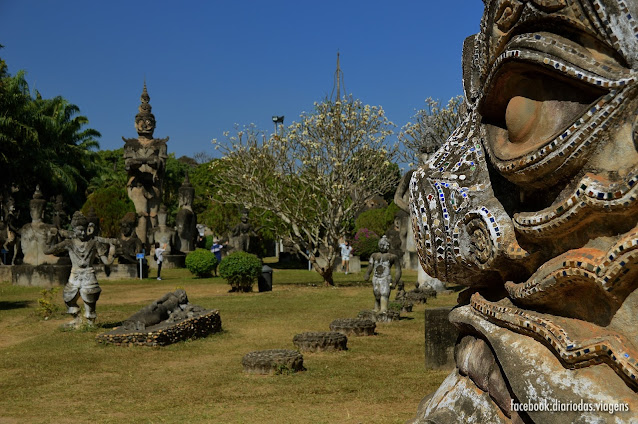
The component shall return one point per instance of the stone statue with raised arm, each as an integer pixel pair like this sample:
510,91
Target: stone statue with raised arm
82,248
380,263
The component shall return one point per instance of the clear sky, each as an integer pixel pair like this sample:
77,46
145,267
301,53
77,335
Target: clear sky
211,64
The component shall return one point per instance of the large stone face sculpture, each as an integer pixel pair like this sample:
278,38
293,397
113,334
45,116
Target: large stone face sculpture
532,204
145,162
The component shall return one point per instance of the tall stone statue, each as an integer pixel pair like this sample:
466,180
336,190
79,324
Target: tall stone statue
145,162
37,236
82,248
379,266
10,235
186,220
532,204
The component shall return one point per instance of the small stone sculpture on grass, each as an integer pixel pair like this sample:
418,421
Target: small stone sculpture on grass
381,262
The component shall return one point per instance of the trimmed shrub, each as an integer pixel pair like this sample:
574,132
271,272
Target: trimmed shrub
240,269
209,242
201,262
365,243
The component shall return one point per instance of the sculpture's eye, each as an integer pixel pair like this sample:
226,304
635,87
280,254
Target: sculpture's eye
527,107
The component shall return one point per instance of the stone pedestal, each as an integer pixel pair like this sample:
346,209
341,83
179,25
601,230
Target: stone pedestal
355,264
38,275
440,338
275,361
5,273
387,316
119,272
320,341
170,261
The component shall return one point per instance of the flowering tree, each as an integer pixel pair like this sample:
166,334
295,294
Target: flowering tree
314,177
431,127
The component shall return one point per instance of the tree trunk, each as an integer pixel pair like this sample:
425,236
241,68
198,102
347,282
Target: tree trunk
326,273
327,276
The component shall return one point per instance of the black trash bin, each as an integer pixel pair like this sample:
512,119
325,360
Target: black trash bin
264,281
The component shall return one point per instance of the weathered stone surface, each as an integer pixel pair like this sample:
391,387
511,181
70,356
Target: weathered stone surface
83,248
458,400
440,338
379,266
38,276
37,235
386,316
170,261
145,161
200,325
353,326
167,320
355,264
320,341
275,361
186,219
533,203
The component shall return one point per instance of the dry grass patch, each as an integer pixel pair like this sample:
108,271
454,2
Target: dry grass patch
50,375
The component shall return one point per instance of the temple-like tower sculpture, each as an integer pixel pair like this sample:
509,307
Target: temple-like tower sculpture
145,161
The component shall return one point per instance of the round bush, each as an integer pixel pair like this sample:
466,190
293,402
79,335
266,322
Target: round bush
240,269
201,262
365,243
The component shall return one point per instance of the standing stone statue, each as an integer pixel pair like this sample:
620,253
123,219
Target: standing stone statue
129,244
145,162
10,234
186,220
83,248
532,203
164,234
37,236
60,218
381,263
240,239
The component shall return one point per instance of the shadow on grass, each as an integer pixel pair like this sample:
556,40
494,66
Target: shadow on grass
5,306
110,324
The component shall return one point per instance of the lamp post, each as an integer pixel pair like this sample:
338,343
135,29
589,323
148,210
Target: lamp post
278,120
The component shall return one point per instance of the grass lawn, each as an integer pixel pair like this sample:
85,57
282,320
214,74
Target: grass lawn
51,375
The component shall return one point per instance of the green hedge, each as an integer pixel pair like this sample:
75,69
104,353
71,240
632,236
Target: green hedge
240,269
201,262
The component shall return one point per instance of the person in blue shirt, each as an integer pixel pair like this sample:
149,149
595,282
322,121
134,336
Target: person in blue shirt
216,248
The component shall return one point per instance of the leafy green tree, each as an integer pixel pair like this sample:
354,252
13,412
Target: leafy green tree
315,177
110,205
377,220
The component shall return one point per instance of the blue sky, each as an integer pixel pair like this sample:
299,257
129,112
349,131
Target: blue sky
209,65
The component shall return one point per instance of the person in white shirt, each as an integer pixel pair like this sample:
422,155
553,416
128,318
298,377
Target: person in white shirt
159,257
346,250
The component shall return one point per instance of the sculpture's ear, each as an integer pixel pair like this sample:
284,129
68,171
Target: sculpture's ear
90,229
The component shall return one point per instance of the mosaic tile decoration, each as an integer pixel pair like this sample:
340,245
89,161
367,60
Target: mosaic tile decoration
599,346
